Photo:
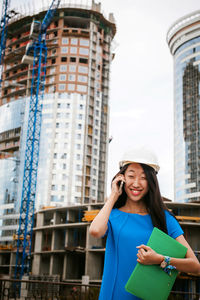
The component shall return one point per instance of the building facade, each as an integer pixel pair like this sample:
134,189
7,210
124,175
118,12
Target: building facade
183,39
75,116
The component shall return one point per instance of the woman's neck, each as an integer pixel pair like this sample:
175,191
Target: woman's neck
134,207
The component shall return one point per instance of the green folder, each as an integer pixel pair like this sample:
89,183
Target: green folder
150,282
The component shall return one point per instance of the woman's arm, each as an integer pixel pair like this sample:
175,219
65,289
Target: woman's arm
99,226
189,264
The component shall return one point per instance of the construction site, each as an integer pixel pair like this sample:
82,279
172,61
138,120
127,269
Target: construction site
64,251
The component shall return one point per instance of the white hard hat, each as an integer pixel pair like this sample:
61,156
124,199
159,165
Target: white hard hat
140,155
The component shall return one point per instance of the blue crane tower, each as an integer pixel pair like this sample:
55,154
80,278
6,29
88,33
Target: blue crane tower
3,32
35,55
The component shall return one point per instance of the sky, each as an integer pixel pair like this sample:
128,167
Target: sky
141,87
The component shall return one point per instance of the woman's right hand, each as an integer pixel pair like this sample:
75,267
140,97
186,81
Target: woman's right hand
117,184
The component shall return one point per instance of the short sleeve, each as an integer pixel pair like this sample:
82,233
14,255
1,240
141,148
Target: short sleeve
108,229
173,227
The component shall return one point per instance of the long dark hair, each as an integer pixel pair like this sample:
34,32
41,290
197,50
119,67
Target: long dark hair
153,200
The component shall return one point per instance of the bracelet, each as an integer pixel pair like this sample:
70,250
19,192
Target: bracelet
165,265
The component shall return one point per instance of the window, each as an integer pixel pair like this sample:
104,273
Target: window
72,68
78,156
65,145
64,176
83,51
78,146
63,187
54,198
64,156
82,78
71,87
78,178
66,125
78,136
78,167
73,50
53,61
57,125
96,131
72,59
53,187
80,116
64,166
63,59
64,49
81,88
67,115
83,60
62,77
61,87
65,41
94,172
82,69
51,79
74,41
78,188
52,70
84,42
63,68
81,106
68,105
71,77
66,135
79,126
55,155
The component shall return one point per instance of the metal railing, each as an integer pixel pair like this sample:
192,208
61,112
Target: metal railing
49,290
46,290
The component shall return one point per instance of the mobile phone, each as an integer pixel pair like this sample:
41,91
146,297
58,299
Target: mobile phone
120,186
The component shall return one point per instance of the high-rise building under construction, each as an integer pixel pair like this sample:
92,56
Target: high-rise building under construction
184,42
75,117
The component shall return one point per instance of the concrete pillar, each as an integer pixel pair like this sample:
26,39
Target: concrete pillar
38,241
40,219
85,281
51,265
24,288
53,241
64,267
36,264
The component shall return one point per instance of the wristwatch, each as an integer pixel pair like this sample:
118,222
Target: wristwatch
165,262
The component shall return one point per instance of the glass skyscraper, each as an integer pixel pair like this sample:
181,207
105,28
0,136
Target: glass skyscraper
183,39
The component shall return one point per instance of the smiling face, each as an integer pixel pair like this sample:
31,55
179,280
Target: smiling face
136,185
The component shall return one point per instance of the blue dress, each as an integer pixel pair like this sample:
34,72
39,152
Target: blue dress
125,232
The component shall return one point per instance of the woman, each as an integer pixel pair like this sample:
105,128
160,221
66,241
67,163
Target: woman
134,207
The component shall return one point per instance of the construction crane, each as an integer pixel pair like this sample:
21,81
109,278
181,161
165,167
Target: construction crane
35,55
4,22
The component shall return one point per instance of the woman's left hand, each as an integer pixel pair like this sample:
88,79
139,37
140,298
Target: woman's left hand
148,256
